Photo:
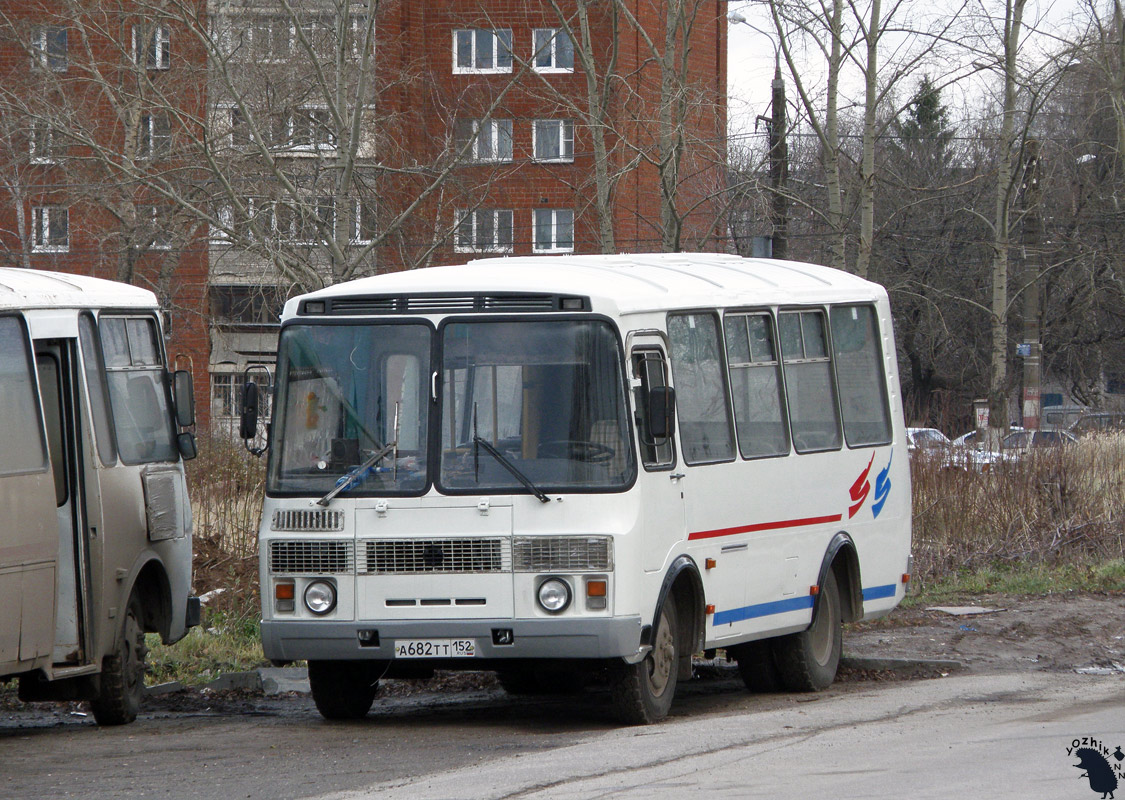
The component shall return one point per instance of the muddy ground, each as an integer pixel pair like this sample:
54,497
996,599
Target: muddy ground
1065,632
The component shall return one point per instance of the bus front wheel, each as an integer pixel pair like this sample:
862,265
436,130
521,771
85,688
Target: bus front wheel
807,661
344,689
121,684
642,693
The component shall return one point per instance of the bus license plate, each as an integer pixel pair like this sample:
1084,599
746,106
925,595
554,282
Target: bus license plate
435,648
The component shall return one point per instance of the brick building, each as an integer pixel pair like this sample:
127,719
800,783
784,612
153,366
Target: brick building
95,106
229,154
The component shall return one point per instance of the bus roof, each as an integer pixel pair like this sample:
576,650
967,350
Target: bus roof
630,283
33,288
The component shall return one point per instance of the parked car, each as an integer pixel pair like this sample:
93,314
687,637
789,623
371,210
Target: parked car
1097,422
970,439
1016,445
926,439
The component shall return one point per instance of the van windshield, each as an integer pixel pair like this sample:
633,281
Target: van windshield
547,394
344,393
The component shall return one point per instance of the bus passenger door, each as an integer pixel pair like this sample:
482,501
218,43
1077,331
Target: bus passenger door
662,498
54,360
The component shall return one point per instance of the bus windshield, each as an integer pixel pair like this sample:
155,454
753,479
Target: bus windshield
546,394
344,393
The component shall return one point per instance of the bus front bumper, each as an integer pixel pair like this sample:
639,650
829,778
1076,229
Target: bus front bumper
291,640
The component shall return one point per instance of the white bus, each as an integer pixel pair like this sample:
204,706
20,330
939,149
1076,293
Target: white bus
558,466
95,539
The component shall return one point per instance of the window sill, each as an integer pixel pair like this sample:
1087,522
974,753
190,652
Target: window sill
50,248
478,71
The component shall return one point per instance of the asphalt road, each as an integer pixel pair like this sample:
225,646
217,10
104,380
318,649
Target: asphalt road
963,736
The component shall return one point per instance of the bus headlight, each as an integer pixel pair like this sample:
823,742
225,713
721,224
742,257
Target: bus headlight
554,595
320,597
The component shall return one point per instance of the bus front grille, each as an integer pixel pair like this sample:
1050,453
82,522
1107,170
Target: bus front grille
562,554
405,556
310,558
312,520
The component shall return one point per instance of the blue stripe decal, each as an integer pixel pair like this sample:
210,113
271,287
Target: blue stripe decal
792,604
879,592
761,610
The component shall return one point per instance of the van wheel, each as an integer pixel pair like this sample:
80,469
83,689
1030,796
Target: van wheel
642,693
121,685
344,689
757,667
807,661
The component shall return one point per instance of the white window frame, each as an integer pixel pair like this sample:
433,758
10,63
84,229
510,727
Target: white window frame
317,121
550,48
490,129
161,240
481,247
554,247
41,55
361,210
158,42
226,217
565,137
496,44
41,229
150,145
42,138
269,56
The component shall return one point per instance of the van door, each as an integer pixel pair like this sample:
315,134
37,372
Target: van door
55,361
662,499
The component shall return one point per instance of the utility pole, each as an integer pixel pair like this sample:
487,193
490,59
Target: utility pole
1032,262
779,166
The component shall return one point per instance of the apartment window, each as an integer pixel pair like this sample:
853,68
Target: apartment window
155,220
50,229
238,127
226,397
310,222
270,38
554,140
365,229
44,147
484,231
554,230
155,136
554,52
482,50
151,47
491,140
247,305
312,130
48,48
220,233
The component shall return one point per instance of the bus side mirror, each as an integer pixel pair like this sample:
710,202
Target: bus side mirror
184,393
661,412
248,425
185,443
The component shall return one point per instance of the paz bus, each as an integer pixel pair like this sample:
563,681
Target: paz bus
95,539
565,467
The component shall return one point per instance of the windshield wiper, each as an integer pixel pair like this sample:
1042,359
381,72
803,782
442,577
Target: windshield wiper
506,463
354,474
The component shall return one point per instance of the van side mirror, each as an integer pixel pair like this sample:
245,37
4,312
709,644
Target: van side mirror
184,392
661,412
248,424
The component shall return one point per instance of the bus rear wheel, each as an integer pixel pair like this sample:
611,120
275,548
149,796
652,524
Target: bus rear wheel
807,661
344,689
121,684
642,693
756,665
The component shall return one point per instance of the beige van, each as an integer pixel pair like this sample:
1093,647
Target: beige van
95,538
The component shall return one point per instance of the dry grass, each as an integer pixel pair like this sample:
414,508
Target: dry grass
1061,506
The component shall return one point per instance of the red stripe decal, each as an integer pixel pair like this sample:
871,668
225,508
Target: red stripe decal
765,526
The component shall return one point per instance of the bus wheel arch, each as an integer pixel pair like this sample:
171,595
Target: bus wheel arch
154,590
842,558
643,691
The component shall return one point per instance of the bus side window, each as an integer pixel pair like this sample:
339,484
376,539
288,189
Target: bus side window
755,381
861,376
706,435
649,366
22,449
809,386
